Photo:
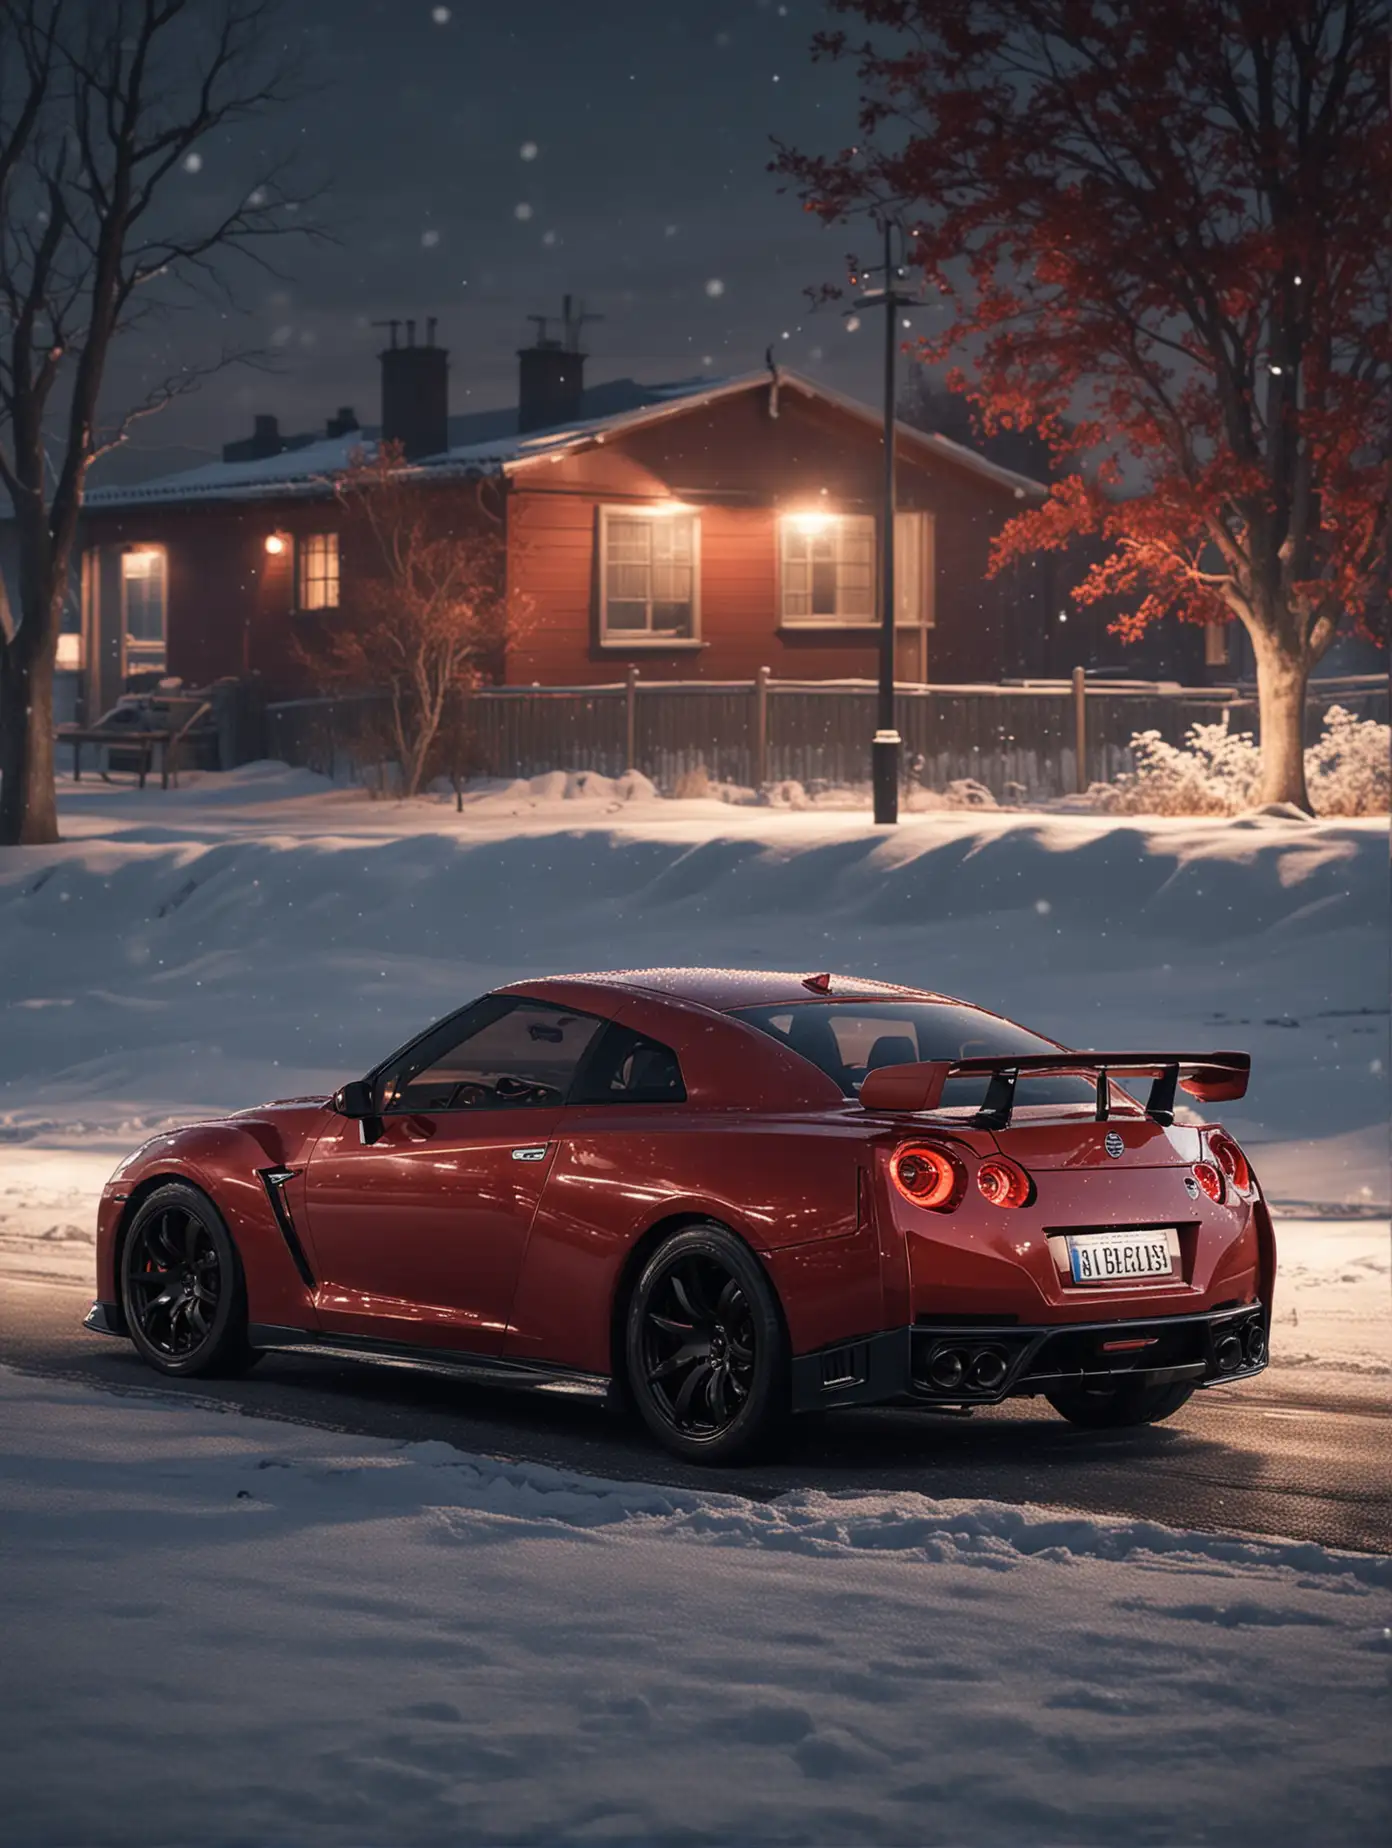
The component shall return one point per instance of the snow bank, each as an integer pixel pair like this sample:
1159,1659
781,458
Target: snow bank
405,1643
266,933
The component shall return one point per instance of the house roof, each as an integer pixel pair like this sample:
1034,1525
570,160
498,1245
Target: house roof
311,470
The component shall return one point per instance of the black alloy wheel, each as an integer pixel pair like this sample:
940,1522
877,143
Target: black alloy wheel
182,1287
1114,1408
706,1350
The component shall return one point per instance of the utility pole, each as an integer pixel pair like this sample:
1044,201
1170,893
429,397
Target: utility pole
886,749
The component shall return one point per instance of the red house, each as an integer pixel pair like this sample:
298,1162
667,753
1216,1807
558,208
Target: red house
696,531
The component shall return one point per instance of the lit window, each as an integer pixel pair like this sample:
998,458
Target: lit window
143,596
828,568
318,571
648,576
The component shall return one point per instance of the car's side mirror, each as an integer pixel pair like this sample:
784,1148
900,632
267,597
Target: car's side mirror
355,1099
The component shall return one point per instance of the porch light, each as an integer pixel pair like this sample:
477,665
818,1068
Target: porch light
275,544
812,522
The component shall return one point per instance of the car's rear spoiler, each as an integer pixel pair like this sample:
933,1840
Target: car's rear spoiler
1213,1077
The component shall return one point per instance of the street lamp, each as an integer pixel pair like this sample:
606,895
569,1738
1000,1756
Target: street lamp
886,748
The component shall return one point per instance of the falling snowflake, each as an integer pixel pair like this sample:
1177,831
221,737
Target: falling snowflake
528,150
852,323
281,336
548,237
257,197
522,211
715,287
440,14
706,359
430,239
1043,907
816,353
669,231
193,163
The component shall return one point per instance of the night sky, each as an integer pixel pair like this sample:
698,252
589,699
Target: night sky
482,159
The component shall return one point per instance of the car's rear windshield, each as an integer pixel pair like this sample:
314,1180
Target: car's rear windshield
847,1039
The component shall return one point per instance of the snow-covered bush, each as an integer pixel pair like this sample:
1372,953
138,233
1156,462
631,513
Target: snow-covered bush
1218,772
1348,770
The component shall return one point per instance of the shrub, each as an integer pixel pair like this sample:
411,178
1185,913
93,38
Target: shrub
1218,772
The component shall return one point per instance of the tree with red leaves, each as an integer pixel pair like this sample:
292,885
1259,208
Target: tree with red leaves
1163,231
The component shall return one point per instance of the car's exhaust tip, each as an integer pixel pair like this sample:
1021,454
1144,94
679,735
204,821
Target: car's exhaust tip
988,1370
1228,1353
946,1369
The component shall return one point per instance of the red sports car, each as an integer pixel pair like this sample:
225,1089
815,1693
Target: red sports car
726,1196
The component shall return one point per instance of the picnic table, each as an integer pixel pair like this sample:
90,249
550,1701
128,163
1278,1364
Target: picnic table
165,723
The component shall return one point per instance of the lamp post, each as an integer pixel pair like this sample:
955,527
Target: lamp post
886,749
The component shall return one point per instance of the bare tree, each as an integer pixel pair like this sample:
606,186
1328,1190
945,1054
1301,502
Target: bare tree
429,614
103,107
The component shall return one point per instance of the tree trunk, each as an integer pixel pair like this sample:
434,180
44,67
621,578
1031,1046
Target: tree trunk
28,805
1281,684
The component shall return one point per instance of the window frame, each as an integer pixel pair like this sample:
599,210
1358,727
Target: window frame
329,538
788,524
594,1053
645,638
417,1055
138,653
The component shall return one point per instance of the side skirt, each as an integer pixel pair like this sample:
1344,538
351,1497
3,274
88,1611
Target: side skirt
454,1362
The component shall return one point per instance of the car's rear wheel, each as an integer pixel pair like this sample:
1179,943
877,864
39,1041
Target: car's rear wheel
1112,1408
705,1347
182,1287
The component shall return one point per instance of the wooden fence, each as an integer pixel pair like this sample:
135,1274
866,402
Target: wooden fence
1023,741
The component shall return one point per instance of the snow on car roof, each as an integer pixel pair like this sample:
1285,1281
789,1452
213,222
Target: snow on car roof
723,989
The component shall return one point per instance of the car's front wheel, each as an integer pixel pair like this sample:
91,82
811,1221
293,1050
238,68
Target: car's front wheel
1112,1408
705,1346
182,1286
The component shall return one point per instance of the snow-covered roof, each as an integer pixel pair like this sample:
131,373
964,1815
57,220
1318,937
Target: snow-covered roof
311,470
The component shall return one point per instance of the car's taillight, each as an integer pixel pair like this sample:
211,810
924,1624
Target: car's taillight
1210,1180
1229,1158
1004,1183
926,1175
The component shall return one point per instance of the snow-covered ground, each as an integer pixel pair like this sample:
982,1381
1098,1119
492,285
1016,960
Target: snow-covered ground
264,933
224,1630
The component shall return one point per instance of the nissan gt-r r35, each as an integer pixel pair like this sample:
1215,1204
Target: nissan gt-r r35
727,1196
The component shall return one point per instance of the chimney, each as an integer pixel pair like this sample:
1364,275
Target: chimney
415,392
551,372
343,422
265,440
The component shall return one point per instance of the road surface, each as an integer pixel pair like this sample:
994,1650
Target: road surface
1237,1460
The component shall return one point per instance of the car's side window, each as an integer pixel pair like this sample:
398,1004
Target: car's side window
503,1054
625,1067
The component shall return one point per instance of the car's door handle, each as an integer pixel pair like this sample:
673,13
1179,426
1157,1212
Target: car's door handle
535,1151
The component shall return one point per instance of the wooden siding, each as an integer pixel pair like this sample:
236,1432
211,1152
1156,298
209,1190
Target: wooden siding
231,604
738,467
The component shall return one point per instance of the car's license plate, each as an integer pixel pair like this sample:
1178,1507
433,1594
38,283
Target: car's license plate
1113,1257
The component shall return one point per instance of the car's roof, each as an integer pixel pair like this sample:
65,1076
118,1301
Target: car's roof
723,989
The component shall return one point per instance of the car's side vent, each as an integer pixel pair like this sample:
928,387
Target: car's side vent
843,1366
273,1180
